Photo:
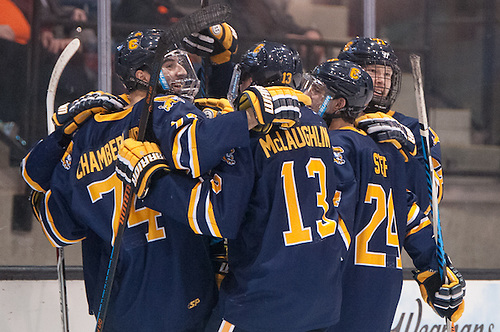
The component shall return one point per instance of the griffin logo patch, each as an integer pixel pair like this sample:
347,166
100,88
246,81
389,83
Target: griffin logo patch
338,156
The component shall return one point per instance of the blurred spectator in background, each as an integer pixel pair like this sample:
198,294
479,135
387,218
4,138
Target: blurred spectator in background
14,25
56,24
261,19
15,33
159,13
54,36
311,55
269,19
59,24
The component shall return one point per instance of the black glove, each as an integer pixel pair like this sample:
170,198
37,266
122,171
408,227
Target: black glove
71,116
213,107
384,128
137,162
218,42
447,300
276,105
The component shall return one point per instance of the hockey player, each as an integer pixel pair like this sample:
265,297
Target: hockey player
164,279
378,58
385,215
290,226
285,253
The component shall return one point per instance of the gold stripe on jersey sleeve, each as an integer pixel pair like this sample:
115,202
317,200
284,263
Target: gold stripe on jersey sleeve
210,216
27,178
193,204
423,223
344,233
177,150
51,225
193,150
413,213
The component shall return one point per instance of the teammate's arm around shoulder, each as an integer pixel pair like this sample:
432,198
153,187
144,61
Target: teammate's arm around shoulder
272,106
384,128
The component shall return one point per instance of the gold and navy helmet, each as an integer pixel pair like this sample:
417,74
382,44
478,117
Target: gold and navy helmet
271,64
137,52
339,79
374,51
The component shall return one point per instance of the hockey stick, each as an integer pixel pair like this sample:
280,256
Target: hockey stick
429,169
201,19
61,63
204,65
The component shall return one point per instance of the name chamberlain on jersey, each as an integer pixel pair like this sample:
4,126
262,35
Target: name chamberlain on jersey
295,138
95,161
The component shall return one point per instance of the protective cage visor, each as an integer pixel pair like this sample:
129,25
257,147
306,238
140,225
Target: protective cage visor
319,93
178,76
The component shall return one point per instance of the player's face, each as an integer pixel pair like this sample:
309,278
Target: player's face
381,76
318,94
174,72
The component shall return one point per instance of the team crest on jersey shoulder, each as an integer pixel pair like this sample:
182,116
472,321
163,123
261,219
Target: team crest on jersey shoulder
168,101
338,155
66,158
66,161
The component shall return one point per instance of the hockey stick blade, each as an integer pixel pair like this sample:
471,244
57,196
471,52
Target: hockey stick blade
199,20
61,63
431,181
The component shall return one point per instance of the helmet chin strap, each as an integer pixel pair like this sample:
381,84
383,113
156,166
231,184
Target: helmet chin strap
163,82
324,105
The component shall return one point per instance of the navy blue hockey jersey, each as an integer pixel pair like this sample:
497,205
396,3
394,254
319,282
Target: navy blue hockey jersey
386,219
164,279
285,254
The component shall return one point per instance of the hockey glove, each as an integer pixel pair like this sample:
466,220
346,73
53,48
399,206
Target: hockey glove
137,162
71,116
276,105
213,107
447,300
218,42
384,128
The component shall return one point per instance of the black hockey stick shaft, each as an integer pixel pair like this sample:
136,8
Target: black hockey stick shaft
194,22
204,66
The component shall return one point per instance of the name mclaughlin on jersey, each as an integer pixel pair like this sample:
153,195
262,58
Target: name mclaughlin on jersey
96,161
295,138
